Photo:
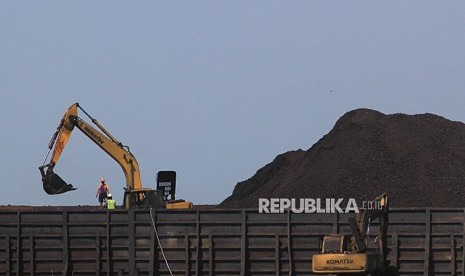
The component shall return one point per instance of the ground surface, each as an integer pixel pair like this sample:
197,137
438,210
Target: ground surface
418,159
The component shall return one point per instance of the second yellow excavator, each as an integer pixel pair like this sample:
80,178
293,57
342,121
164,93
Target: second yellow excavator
135,196
349,254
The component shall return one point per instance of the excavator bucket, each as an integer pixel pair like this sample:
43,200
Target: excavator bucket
53,184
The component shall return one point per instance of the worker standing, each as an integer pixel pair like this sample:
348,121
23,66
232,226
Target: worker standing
111,203
102,191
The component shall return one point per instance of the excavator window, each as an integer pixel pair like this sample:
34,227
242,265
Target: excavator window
333,243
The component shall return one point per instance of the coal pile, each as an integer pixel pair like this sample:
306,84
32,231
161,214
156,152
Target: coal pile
418,159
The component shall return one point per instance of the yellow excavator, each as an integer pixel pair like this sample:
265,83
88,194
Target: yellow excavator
349,254
135,196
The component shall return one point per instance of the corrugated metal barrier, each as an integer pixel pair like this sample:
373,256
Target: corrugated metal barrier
213,242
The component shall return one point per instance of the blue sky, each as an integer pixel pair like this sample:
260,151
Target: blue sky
212,89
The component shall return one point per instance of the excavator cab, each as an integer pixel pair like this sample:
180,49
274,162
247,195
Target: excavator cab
143,198
335,243
53,184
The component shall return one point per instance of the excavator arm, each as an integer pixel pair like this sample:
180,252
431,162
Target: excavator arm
360,227
53,184
360,224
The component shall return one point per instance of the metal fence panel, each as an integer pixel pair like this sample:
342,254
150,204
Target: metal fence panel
422,241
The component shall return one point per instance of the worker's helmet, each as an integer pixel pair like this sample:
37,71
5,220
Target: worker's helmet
109,195
102,179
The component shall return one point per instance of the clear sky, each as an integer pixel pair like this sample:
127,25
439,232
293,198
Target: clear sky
211,89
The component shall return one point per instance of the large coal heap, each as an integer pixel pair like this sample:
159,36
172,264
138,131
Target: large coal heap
418,159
